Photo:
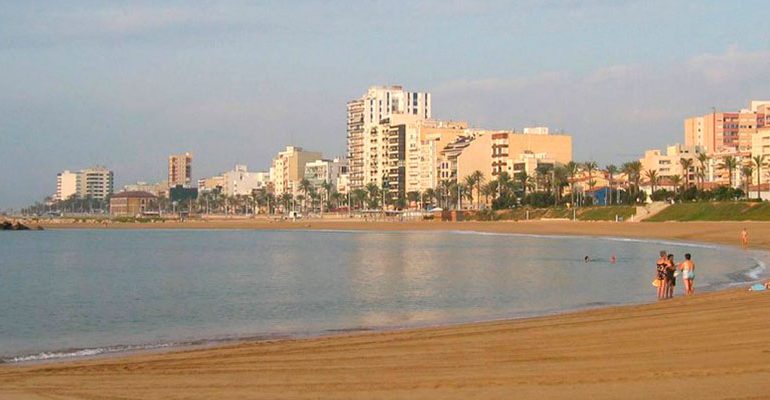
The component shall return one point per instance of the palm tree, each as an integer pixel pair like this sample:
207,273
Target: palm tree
730,163
746,172
572,171
305,187
478,179
523,180
633,170
759,161
652,175
328,189
373,194
286,199
703,159
611,171
686,164
488,189
590,167
676,181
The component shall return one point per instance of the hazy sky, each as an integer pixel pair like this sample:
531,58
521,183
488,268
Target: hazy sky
124,84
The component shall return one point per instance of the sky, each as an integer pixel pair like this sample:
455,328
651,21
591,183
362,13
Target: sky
125,84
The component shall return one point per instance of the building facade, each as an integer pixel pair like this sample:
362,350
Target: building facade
323,171
288,169
369,138
96,183
67,184
668,164
512,152
180,170
134,203
720,132
241,182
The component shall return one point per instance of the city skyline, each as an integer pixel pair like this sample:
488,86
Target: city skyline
124,86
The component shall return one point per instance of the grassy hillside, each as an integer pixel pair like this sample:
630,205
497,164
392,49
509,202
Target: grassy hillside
583,213
725,211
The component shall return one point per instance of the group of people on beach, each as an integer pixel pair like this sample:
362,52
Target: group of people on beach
667,271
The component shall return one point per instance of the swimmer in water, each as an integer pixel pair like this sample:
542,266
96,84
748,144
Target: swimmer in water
586,259
613,259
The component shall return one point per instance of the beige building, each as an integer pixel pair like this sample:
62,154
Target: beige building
669,164
212,183
760,146
512,152
96,182
288,169
180,170
135,203
67,183
411,152
720,132
368,138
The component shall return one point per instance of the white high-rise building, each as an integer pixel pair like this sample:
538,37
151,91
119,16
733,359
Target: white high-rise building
368,137
96,183
66,184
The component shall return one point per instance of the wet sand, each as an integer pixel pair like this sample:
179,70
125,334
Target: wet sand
709,346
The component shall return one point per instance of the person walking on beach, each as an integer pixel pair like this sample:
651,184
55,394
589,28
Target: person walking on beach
670,277
688,274
745,238
660,272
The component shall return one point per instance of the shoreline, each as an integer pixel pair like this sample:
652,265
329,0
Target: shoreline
715,233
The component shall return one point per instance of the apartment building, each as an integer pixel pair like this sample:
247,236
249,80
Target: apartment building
288,169
369,138
66,185
96,183
180,170
333,171
720,132
668,164
512,152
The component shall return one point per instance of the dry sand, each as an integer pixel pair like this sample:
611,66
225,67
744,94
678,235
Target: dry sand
708,346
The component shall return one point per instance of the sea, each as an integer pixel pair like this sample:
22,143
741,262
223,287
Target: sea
68,294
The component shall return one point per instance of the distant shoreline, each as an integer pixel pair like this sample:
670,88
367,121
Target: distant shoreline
721,232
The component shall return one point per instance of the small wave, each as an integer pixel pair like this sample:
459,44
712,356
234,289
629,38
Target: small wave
757,271
77,353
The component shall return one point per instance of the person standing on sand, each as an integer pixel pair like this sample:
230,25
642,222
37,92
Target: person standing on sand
688,274
660,272
745,238
670,277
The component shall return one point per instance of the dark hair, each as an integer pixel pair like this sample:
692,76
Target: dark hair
670,256
687,256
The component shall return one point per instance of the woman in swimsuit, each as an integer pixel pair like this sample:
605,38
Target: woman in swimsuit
688,274
660,272
670,278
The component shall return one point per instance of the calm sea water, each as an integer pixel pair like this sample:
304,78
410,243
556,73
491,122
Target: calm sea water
75,293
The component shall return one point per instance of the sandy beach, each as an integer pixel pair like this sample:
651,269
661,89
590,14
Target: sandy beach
709,346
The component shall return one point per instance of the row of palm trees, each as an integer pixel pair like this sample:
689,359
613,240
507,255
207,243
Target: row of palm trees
729,163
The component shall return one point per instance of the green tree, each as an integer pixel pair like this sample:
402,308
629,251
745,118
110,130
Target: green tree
652,176
729,163
759,161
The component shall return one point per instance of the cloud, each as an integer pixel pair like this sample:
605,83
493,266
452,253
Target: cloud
631,107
